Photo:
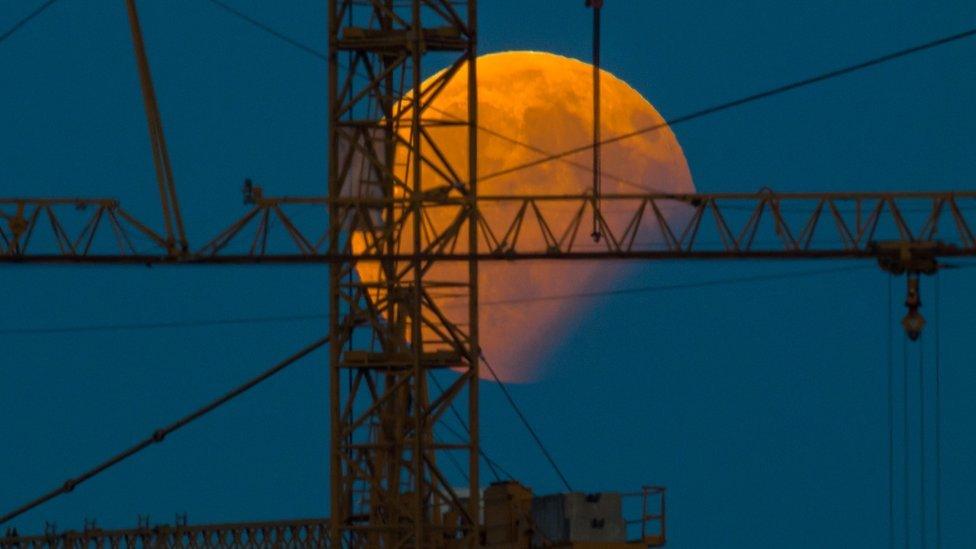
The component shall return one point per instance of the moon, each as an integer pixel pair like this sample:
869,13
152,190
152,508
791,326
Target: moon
530,105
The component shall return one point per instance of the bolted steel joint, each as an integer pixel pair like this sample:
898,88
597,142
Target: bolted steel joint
17,225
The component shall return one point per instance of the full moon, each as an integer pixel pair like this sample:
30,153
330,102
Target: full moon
530,105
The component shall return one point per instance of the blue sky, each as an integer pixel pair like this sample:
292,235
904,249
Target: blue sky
762,406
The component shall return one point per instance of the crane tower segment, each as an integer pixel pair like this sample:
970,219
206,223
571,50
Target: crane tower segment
390,337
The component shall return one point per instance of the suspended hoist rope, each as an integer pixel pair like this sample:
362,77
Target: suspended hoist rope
938,412
891,420
921,440
905,455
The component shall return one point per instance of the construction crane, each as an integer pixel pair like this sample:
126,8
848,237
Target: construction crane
389,338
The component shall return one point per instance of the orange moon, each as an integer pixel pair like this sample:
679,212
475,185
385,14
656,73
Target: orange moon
545,101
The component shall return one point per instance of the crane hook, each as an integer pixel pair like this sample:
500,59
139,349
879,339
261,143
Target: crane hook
913,322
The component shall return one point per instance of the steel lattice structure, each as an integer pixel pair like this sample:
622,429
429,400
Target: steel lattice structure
511,228
388,488
245,535
398,208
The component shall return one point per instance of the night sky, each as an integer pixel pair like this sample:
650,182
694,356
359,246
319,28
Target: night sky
762,406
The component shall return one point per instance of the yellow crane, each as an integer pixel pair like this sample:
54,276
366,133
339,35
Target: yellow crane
387,485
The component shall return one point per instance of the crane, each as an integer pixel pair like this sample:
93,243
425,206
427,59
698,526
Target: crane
389,338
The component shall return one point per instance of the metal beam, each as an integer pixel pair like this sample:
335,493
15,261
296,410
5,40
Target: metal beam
285,533
176,242
295,230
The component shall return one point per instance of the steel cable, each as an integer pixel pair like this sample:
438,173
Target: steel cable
905,476
745,100
938,412
26,19
528,426
891,421
160,434
921,441
136,326
322,56
667,123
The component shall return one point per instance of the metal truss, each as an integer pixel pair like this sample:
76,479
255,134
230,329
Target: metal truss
651,226
402,223
247,535
511,228
73,227
388,488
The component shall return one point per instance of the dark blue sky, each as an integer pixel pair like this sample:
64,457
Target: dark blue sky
762,406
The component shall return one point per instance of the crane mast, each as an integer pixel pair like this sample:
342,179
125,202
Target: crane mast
390,338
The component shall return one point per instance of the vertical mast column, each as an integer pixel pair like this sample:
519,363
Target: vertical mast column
401,364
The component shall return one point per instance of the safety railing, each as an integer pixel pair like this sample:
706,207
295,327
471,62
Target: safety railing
652,523
287,533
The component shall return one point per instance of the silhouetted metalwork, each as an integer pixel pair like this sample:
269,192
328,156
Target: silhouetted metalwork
73,228
653,521
387,175
160,434
886,226
387,485
244,535
172,218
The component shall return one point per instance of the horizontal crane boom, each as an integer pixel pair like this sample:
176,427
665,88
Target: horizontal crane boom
765,225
